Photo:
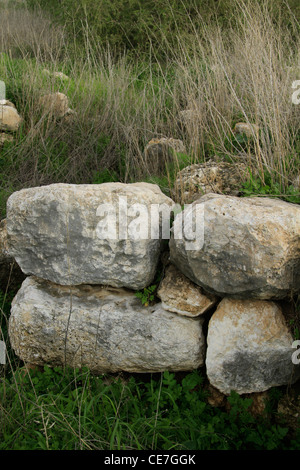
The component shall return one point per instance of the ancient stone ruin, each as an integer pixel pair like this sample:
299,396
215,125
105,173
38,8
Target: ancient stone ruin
224,267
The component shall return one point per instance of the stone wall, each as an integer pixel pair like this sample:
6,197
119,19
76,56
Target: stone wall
225,268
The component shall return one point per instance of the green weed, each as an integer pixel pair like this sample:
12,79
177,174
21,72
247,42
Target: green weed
266,185
65,409
147,295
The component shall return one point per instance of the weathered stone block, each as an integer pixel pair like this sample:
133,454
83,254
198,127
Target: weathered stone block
88,234
105,329
249,347
244,247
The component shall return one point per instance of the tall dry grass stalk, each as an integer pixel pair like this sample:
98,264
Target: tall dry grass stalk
243,73
26,33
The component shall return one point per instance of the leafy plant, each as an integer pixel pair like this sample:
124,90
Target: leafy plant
147,295
65,408
266,186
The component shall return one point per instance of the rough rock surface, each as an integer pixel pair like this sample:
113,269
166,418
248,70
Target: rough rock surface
105,329
250,130
55,104
60,75
159,152
11,275
189,118
211,177
249,347
5,138
250,247
178,294
10,119
7,103
72,234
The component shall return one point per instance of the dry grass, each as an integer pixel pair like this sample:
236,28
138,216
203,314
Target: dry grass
246,75
24,33
242,74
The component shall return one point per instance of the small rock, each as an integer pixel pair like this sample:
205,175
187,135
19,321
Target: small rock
55,104
189,118
69,116
10,119
215,398
60,75
5,138
7,103
250,130
258,406
160,152
219,400
211,177
178,294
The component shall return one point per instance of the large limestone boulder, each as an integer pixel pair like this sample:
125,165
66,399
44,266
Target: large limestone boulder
249,347
210,177
89,234
10,119
104,329
243,247
179,294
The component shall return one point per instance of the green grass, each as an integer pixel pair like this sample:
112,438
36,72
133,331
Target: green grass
66,409
70,409
264,185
